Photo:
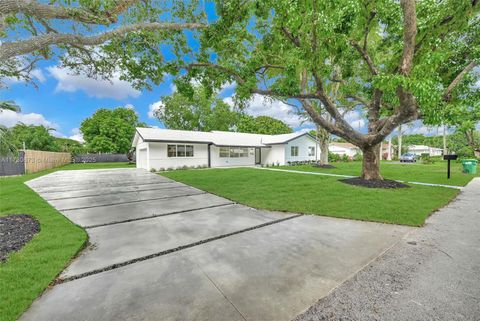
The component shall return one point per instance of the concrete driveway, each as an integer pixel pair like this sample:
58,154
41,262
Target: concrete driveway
161,250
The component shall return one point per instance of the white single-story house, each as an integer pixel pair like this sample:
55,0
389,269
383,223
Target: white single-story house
423,149
344,149
165,148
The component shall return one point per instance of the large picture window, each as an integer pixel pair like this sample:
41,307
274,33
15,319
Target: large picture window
180,150
233,152
294,151
311,150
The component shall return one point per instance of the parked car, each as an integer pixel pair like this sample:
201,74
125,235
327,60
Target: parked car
408,158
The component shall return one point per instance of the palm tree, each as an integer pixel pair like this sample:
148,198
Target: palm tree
6,146
9,105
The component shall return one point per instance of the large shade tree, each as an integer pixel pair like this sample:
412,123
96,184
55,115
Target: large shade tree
200,110
110,130
97,37
395,59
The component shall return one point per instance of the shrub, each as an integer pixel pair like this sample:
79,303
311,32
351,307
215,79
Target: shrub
358,157
426,159
345,158
333,157
152,170
465,152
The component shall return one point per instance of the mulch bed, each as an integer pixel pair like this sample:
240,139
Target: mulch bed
323,166
386,183
15,232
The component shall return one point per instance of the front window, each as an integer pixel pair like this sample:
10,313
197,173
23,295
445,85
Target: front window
233,152
311,150
294,151
180,150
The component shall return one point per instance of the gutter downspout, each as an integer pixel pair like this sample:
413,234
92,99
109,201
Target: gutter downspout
209,156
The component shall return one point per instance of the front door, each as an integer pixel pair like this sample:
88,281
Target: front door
258,156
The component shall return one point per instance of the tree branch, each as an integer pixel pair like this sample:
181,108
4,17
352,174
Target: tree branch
46,11
11,49
366,57
409,34
290,36
447,96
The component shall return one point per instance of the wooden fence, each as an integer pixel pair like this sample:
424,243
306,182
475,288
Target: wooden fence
36,161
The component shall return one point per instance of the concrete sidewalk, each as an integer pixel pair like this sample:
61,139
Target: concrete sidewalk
432,274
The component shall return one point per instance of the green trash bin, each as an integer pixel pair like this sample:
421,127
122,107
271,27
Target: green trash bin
469,166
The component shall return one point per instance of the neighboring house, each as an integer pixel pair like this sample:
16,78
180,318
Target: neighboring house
423,149
166,148
385,150
344,149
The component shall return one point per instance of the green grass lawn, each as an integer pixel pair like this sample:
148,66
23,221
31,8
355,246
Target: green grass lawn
322,195
28,272
432,173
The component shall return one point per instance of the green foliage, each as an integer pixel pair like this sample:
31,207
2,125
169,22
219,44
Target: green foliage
333,158
199,110
425,158
358,157
261,125
110,131
69,146
34,137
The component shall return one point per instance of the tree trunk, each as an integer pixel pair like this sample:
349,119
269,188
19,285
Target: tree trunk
324,140
371,163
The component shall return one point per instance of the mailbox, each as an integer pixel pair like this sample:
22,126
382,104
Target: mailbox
450,157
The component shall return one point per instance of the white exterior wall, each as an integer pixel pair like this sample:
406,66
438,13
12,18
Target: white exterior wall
157,153
303,143
274,155
217,161
343,151
431,151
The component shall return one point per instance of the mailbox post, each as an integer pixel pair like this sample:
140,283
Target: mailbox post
448,158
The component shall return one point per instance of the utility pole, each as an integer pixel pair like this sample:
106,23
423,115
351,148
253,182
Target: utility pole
445,152
399,141
389,153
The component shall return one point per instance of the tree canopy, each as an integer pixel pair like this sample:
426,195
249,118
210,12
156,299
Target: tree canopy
201,111
95,36
261,125
34,137
110,130
399,61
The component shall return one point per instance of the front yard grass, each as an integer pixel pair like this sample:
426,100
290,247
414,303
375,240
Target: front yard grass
425,173
321,195
28,272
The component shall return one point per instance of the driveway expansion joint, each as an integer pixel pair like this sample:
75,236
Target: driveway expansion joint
114,193
157,215
172,250
129,202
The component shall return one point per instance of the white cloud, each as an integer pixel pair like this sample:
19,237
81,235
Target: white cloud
76,134
10,118
99,88
258,106
152,108
355,119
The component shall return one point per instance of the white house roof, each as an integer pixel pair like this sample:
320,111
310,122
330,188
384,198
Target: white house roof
218,138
